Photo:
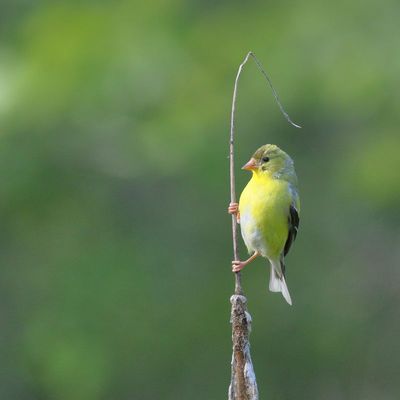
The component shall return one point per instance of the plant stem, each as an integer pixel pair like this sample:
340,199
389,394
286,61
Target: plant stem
240,385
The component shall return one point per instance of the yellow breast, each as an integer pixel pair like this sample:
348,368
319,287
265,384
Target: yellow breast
264,206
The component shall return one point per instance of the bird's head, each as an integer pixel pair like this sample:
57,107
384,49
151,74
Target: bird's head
271,160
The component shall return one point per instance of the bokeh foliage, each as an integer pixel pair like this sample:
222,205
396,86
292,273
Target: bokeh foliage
115,244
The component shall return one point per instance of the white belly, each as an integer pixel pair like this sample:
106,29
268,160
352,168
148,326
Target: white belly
251,234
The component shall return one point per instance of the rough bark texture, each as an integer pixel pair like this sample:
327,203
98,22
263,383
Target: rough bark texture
243,379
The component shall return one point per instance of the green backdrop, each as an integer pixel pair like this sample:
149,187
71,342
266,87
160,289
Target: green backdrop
115,244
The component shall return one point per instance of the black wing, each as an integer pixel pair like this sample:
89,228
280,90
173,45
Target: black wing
293,220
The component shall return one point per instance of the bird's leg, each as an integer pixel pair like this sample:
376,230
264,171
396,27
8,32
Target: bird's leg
234,210
239,265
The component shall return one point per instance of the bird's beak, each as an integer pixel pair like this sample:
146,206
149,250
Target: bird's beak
251,165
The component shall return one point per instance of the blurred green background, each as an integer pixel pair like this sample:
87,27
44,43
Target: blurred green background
115,244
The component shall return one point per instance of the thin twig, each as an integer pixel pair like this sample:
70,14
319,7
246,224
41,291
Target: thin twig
274,92
243,384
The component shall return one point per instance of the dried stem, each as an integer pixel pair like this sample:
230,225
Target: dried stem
243,384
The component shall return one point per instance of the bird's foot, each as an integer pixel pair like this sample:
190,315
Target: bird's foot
238,265
233,208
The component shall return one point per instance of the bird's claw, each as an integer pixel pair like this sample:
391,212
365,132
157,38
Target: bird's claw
233,208
238,265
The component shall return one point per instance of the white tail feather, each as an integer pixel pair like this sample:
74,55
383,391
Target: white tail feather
278,284
274,282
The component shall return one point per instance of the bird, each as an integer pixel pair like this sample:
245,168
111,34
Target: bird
268,213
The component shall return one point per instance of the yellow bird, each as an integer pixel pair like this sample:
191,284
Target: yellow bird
268,212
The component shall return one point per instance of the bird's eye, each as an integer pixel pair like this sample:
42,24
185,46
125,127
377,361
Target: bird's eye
265,159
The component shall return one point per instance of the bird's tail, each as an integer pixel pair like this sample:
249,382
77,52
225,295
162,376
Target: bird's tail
277,281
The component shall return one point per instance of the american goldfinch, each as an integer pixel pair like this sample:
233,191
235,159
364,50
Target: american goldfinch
268,212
